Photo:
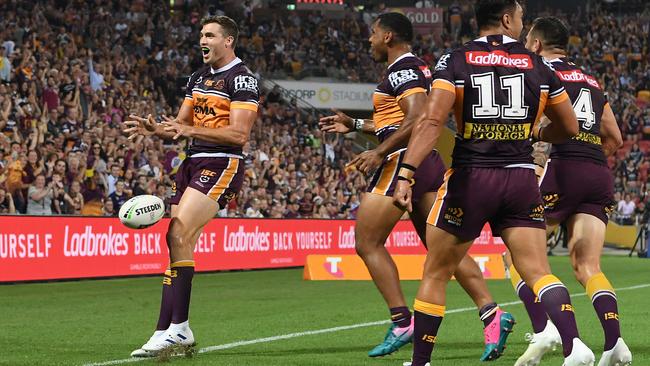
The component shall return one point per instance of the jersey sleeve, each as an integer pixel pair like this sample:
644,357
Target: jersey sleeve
188,89
245,92
407,80
443,74
556,92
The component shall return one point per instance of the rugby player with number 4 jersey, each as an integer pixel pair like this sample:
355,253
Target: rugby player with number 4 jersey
577,187
499,91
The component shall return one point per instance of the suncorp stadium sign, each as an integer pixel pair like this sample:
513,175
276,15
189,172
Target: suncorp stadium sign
330,95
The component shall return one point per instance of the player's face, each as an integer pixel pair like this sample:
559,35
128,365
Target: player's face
378,49
533,44
213,43
517,22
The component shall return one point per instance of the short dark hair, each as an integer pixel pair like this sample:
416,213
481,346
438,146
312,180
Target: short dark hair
228,25
552,31
398,24
489,12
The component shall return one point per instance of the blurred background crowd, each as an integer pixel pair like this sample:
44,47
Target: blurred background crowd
72,71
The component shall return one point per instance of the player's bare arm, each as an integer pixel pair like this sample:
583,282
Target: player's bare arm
147,126
423,139
340,122
235,134
563,123
370,160
610,134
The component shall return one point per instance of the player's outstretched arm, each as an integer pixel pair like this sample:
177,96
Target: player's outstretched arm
563,123
235,134
424,138
610,134
340,122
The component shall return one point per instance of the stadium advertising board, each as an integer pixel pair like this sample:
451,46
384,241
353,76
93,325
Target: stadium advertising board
330,95
426,21
42,248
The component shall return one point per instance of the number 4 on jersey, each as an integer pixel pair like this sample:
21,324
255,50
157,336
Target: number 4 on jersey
584,109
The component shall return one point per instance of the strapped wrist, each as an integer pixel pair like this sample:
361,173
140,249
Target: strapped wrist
406,171
410,180
357,124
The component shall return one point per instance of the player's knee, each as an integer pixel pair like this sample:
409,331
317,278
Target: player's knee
363,248
177,236
365,244
584,268
441,273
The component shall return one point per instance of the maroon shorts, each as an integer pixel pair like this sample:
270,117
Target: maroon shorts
470,197
428,177
570,187
217,178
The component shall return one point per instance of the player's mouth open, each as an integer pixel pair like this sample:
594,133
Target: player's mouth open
205,51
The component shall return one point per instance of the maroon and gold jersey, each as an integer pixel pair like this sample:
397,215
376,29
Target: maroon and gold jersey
212,94
407,75
589,102
501,91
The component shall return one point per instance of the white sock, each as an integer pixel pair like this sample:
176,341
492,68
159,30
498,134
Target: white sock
179,327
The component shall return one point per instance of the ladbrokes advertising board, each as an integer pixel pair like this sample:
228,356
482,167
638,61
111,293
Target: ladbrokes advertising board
41,248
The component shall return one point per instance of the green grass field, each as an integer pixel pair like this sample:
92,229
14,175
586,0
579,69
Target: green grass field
77,323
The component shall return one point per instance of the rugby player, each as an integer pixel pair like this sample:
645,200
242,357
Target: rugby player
499,90
398,100
217,114
577,188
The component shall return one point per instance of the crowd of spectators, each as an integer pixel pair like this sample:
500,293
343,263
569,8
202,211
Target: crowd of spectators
72,71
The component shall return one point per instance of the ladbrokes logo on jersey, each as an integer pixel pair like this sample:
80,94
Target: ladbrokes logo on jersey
576,76
496,131
498,58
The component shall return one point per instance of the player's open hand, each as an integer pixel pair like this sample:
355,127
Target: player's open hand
403,194
174,126
339,122
137,126
367,161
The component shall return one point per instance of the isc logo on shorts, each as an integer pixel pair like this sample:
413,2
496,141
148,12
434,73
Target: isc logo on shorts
206,175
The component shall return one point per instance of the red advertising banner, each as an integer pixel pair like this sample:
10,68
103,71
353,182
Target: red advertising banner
42,248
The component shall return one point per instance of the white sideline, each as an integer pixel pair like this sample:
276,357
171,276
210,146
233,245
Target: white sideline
320,331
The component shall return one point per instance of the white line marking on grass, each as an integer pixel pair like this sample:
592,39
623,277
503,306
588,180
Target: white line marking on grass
321,331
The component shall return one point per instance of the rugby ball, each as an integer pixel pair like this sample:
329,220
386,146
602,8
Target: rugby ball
142,211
